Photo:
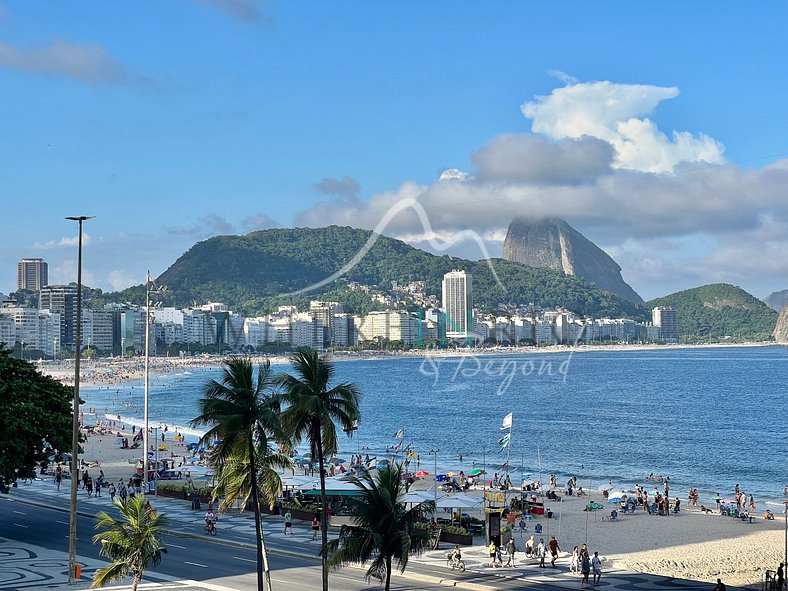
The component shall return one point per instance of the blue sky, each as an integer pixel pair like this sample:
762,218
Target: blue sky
175,121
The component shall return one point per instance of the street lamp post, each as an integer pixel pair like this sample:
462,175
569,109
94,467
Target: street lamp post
72,527
434,452
149,288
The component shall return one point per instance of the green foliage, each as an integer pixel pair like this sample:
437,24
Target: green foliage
717,311
380,532
36,412
132,542
313,405
252,274
243,415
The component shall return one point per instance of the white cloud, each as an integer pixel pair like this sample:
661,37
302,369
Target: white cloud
675,230
86,63
120,279
617,113
65,241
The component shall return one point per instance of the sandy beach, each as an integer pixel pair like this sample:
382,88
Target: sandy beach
689,544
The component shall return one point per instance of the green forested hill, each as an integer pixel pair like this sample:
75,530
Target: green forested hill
719,310
251,273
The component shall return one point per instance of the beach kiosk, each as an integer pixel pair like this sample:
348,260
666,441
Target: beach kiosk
494,503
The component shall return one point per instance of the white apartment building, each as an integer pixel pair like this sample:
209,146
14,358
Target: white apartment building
457,303
388,326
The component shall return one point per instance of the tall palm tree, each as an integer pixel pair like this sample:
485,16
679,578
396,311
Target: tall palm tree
243,415
132,542
381,527
312,406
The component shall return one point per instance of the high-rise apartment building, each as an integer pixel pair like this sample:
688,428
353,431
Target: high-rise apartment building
32,274
666,319
457,294
62,299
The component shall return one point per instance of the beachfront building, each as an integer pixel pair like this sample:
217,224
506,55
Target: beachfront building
97,330
32,274
387,326
33,329
457,303
667,321
62,300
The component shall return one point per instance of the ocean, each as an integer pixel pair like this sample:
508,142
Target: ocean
706,417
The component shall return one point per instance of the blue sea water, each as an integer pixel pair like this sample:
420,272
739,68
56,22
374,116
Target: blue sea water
707,418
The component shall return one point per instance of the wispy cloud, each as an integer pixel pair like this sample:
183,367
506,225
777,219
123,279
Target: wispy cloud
120,279
84,63
216,225
243,10
65,241
345,187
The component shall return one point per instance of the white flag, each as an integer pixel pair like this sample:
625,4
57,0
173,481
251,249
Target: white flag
507,422
400,434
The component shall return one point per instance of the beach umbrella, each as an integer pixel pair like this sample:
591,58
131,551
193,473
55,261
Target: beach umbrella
336,460
416,496
594,506
422,473
476,472
613,500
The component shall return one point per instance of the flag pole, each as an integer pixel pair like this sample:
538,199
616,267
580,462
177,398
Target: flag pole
509,451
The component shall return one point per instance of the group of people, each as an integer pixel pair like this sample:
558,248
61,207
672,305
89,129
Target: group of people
583,564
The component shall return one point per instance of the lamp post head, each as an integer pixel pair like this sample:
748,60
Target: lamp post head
80,218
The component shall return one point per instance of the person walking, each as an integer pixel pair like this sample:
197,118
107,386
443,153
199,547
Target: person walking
554,550
58,477
315,527
541,551
585,567
491,550
780,577
510,550
596,566
574,563
111,491
89,486
289,522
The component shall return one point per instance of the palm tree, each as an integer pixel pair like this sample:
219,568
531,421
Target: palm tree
243,416
312,406
381,527
132,542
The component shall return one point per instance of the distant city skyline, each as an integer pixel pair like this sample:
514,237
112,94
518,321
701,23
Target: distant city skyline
657,137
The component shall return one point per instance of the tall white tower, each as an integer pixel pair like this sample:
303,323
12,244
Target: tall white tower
457,293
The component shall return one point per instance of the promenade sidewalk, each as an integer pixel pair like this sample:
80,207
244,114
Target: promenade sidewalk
238,529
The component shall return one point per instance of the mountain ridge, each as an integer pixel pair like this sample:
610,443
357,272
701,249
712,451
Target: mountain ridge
552,243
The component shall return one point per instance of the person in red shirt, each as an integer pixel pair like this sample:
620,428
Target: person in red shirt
554,549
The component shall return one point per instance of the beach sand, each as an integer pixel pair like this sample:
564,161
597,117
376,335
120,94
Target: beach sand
690,545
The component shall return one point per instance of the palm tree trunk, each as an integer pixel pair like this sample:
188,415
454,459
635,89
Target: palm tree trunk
323,511
257,524
136,580
388,573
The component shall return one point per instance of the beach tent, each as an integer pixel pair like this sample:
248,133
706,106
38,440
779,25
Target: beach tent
459,501
416,496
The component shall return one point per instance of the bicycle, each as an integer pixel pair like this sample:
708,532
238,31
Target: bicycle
210,528
455,563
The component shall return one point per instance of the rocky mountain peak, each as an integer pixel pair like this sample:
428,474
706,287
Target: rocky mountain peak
552,243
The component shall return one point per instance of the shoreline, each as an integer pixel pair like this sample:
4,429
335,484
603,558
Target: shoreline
115,371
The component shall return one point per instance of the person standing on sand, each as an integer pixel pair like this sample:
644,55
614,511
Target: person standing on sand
541,551
780,577
574,562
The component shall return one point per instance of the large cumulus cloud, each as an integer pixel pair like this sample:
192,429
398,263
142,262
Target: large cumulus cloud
666,205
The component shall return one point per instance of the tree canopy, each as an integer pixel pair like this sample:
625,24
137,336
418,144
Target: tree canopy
36,417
